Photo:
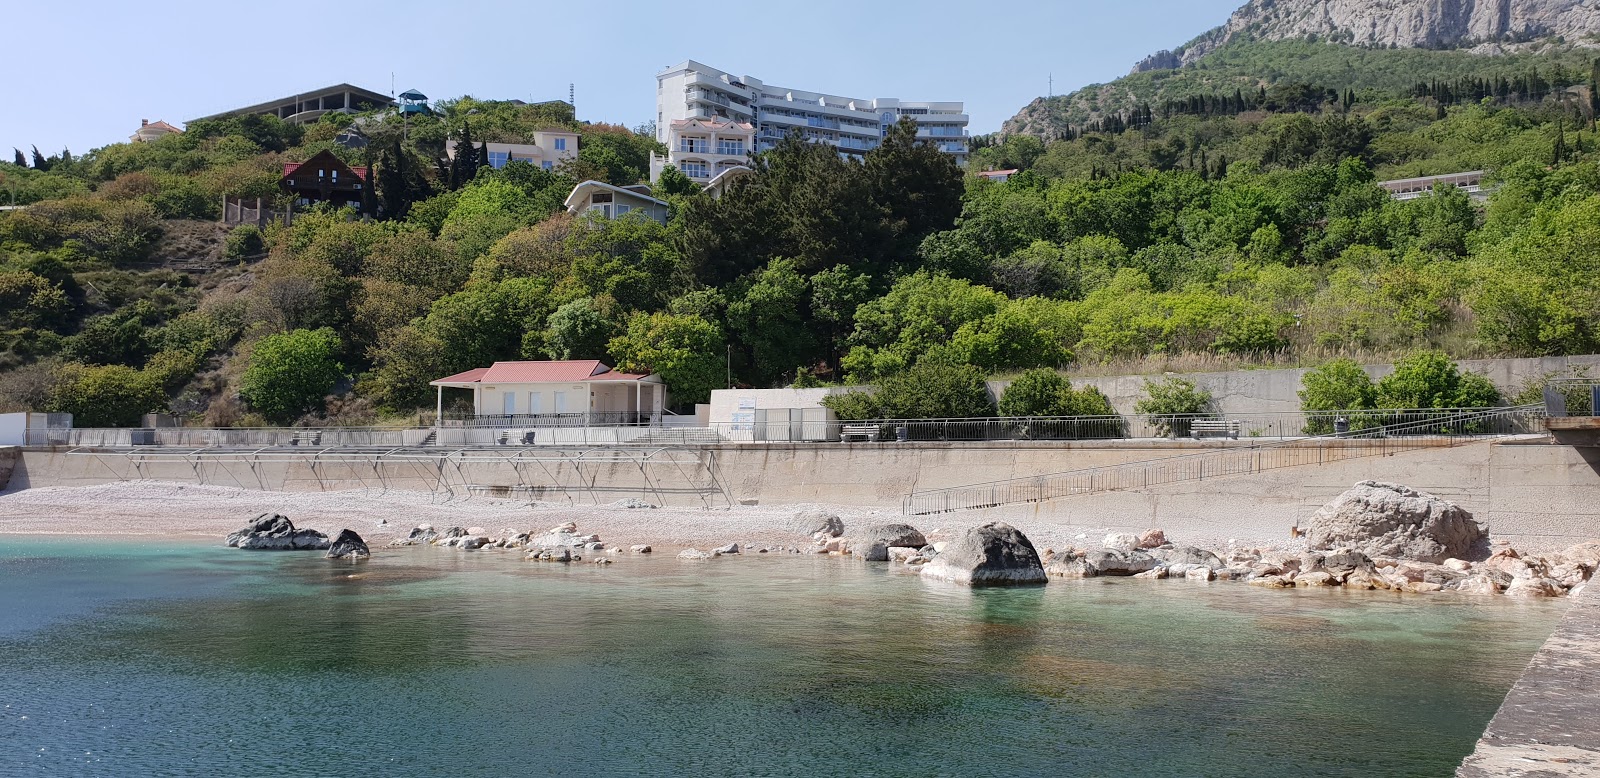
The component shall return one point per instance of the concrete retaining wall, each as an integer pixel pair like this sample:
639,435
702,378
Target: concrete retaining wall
1277,391
9,456
1536,494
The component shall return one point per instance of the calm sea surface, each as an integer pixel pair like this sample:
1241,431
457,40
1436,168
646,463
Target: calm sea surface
132,658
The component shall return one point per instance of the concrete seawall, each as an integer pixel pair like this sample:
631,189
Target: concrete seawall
9,456
1546,727
1537,495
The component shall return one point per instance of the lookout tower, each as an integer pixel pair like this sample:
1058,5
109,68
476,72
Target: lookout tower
412,101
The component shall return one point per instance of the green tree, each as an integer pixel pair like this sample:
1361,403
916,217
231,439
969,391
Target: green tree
577,330
934,388
1430,379
105,395
1340,385
289,374
687,351
1172,404
1038,392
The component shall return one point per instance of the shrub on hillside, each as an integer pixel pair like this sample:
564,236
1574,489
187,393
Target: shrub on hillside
1432,380
105,395
1172,404
291,373
1044,392
934,388
1340,385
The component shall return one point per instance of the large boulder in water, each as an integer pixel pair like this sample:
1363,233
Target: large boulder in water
873,543
272,532
348,545
994,554
1072,564
1388,520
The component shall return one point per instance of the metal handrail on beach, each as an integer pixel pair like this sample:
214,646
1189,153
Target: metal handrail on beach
1233,460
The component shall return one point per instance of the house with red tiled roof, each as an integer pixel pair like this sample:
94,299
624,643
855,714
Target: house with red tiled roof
151,130
573,392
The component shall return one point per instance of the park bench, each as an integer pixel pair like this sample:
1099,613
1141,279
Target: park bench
1200,428
867,432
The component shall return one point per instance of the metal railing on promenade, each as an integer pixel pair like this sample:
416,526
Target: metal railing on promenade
1295,424
1234,460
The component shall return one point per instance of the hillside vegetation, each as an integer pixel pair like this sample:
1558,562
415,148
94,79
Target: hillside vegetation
1246,227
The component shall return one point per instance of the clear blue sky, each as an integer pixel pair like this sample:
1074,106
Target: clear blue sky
82,74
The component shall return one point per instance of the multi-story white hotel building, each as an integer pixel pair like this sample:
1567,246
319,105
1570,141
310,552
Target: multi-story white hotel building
693,101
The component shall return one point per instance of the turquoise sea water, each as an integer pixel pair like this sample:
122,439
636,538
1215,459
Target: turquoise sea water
133,658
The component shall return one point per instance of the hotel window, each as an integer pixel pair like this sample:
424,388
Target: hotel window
498,159
730,147
694,169
561,144
548,165
694,145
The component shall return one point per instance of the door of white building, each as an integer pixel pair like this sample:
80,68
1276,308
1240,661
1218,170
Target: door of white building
510,403
560,402
535,402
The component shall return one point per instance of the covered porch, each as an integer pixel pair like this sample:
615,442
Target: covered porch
607,399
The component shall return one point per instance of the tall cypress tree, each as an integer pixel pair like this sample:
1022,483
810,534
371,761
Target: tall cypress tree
465,165
1594,93
39,161
21,158
1560,153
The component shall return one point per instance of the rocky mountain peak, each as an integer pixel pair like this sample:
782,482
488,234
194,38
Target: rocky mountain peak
1392,24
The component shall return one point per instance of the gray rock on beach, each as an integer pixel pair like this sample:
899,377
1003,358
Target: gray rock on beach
272,532
1389,520
348,545
872,543
814,523
1071,564
1188,555
994,554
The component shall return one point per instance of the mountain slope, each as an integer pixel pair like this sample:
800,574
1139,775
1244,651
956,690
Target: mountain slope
1387,45
1408,24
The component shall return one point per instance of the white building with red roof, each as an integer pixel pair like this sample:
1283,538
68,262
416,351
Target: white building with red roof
574,392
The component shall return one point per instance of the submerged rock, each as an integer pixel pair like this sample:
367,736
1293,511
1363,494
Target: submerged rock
694,553
994,554
422,534
348,545
1382,519
273,532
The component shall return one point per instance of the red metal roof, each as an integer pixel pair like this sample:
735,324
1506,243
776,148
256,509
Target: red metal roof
290,167
571,371
471,376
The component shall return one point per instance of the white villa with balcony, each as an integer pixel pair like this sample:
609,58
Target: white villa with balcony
703,149
692,97
563,393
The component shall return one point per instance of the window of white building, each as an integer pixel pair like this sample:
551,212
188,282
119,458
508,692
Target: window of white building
693,169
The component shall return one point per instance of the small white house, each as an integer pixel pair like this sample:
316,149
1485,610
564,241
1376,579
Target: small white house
614,202
557,393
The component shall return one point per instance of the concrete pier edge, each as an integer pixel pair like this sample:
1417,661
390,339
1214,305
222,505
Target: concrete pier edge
1546,728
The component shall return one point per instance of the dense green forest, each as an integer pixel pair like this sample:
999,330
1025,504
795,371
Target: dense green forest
1246,67
1251,231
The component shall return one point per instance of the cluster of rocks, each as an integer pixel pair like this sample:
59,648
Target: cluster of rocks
1374,536
275,532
